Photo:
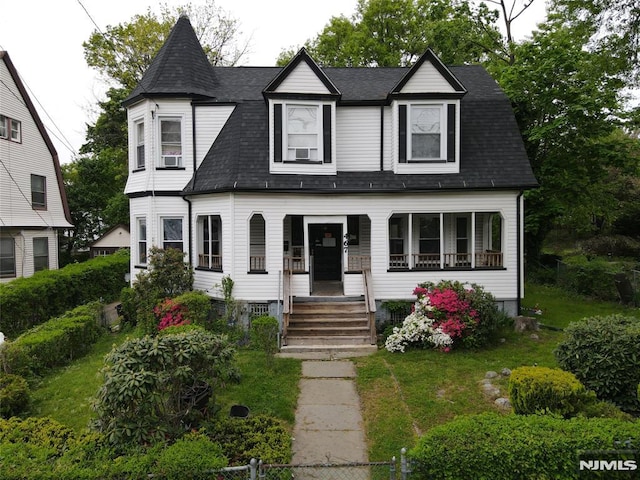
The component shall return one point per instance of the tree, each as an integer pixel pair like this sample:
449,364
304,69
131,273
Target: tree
95,181
124,52
396,32
568,101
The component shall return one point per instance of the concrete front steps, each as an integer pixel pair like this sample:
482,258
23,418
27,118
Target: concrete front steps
319,324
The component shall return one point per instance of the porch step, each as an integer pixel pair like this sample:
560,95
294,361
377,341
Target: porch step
325,323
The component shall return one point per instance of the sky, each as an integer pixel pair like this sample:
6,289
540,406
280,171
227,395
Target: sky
44,41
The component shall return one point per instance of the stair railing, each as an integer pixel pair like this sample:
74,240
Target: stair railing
369,303
287,303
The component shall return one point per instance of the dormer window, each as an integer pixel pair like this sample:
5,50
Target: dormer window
302,127
427,132
302,136
171,142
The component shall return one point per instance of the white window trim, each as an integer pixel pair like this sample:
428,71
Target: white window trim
443,132
139,142
139,240
180,158
285,132
300,167
182,237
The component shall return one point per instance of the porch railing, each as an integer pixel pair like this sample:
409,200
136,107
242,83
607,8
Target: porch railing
293,264
214,262
358,263
435,261
257,263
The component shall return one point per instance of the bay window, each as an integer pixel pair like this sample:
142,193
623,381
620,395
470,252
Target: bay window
209,242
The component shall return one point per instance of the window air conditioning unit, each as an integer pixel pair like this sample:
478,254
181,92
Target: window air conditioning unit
303,154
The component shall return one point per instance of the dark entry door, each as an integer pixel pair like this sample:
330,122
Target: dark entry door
326,247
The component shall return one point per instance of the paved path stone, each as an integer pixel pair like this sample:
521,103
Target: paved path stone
328,426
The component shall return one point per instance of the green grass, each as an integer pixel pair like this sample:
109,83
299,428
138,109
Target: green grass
404,395
560,308
269,388
65,394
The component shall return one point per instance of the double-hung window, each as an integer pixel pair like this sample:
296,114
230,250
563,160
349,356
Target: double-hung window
426,132
210,242
38,192
171,142
142,240
139,139
7,257
10,129
303,132
172,233
40,254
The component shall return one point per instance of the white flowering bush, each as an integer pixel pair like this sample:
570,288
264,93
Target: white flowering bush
444,315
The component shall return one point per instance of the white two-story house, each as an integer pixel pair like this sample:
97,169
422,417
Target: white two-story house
306,176
33,204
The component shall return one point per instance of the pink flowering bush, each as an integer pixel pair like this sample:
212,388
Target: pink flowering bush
170,313
447,315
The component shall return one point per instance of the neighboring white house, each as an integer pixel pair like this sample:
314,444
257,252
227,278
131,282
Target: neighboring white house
33,204
116,238
414,174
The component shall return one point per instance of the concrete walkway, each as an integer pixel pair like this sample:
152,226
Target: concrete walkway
328,426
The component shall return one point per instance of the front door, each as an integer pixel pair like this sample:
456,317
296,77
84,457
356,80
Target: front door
325,242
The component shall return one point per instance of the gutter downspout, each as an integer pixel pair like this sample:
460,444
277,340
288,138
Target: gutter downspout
519,248
381,138
190,220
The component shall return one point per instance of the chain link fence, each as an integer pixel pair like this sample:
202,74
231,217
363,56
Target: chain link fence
256,470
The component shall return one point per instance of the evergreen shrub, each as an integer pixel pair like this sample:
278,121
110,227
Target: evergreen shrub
27,302
547,390
603,352
14,395
492,446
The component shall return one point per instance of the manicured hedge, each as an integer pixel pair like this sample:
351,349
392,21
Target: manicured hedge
493,446
27,302
54,343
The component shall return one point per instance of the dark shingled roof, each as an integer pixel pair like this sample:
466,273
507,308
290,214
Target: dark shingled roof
180,68
492,154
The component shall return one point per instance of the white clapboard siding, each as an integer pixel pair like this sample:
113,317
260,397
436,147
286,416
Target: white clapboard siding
427,79
236,211
302,80
209,121
20,160
358,138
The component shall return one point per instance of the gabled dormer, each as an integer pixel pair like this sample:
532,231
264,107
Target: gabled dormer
426,108
302,111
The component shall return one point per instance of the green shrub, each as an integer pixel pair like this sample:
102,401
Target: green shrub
27,302
604,354
261,437
496,447
55,342
614,245
198,305
41,432
547,390
194,456
156,387
590,277
264,334
14,395
167,277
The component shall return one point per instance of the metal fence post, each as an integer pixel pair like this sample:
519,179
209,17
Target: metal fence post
392,469
404,469
253,467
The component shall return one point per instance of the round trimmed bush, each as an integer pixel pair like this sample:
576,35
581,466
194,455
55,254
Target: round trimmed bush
14,395
541,390
604,354
194,456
